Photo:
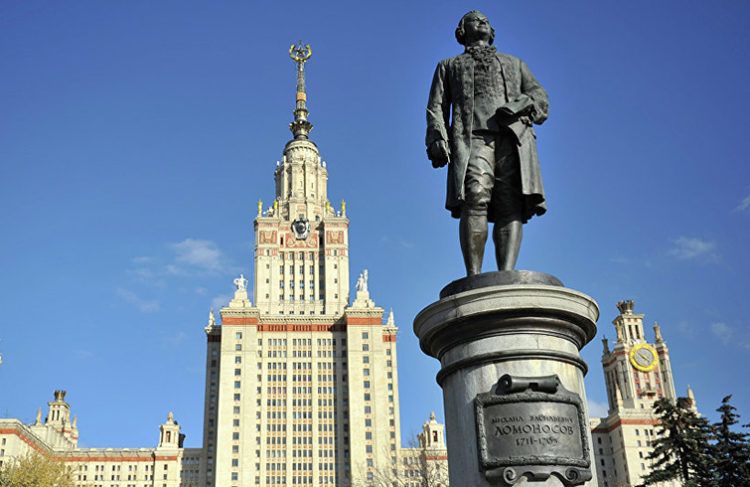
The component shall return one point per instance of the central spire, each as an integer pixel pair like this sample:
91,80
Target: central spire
300,127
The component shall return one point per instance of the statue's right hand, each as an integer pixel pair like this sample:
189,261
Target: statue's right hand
438,153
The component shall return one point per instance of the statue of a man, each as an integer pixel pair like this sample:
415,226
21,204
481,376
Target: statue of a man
241,283
479,122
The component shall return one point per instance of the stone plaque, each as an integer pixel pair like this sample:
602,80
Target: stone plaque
533,428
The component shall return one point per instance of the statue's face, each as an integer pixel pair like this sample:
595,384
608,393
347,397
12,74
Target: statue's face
476,26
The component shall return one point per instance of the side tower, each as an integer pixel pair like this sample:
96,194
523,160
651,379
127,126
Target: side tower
637,372
301,387
640,370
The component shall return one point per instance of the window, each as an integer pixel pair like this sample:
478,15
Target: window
238,335
238,347
237,384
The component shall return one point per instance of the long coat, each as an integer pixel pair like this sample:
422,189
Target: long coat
452,100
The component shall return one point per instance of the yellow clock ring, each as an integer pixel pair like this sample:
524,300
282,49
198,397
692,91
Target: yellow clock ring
644,357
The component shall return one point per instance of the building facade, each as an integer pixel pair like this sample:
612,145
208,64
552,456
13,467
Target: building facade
637,372
426,463
301,382
167,465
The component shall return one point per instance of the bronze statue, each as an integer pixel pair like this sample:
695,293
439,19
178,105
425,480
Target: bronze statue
480,114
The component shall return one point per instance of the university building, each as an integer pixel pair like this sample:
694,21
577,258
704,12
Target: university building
301,379
637,372
167,465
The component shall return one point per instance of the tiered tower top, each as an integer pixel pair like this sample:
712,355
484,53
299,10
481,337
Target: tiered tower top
301,251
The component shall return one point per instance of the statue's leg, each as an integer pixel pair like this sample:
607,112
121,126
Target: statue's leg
507,205
472,231
507,238
478,191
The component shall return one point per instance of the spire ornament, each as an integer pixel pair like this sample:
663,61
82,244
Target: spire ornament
300,127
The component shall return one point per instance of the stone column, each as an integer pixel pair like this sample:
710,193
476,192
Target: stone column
527,329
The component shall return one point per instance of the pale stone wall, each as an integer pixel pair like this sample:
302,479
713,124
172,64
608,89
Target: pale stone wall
167,465
623,440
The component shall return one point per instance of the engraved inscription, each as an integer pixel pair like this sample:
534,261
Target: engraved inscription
533,429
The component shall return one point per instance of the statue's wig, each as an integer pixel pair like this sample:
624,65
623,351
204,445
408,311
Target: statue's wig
461,33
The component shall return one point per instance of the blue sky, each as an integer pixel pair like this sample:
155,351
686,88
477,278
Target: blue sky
136,138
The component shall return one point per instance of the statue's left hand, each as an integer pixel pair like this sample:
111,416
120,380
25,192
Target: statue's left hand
439,153
526,120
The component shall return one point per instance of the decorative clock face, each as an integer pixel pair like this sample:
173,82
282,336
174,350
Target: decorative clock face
301,228
644,357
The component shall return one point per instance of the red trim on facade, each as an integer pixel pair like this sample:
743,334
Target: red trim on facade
24,438
237,320
621,422
389,338
287,327
150,458
71,458
437,457
363,320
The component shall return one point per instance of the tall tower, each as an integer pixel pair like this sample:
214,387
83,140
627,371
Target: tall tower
58,418
301,386
637,372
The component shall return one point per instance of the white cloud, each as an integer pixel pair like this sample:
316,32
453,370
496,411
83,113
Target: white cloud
396,242
722,331
176,339
598,409
685,328
729,335
143,305
744,204
203,254
83,354
220,301
190,257
692,248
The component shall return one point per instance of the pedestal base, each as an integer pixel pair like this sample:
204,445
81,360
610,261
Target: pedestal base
524,327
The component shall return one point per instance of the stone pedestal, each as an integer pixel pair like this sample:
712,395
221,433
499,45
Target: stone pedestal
525,328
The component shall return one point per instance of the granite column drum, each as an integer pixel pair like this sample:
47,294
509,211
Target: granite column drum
515,404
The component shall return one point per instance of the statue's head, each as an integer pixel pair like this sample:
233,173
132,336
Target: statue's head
474,25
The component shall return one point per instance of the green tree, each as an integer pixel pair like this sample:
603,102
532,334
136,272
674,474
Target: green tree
731,451
35,470
682,449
